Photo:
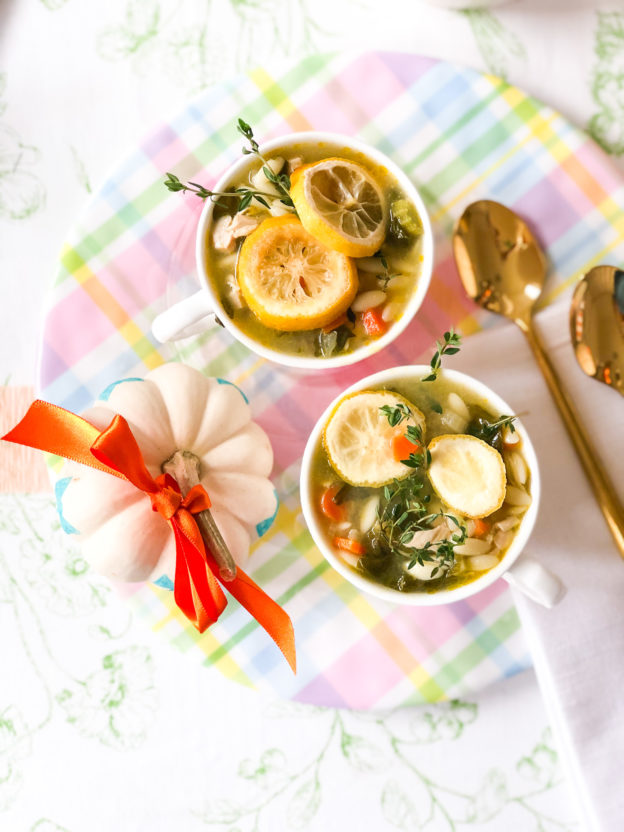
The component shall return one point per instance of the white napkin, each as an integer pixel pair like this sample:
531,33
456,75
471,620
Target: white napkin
577,647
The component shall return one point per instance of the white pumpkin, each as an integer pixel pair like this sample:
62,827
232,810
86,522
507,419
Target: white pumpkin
174,408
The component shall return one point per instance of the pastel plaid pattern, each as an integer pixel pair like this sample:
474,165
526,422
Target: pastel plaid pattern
462,136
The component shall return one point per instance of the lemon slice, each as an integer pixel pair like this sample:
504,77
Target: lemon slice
358,438
290,280
340,203
467,474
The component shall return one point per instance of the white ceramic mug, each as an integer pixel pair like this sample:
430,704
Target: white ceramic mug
196,313
525,573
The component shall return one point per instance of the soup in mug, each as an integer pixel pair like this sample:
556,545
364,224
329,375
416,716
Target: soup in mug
324,271
419,486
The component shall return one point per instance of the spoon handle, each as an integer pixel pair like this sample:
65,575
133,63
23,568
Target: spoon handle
604,491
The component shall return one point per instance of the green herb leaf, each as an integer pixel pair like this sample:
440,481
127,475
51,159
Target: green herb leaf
397,414
414,433
451,346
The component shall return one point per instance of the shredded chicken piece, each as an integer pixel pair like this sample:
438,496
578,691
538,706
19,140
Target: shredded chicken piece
243,224
227,229
233,292
502,540
439,532
222,236
507,523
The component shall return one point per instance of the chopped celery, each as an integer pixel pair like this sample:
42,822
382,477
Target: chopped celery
404,220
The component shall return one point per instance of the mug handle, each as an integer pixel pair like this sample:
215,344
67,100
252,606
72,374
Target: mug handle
535,581
185,318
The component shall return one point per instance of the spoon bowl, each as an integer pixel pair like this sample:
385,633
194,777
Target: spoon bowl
597,325
500,262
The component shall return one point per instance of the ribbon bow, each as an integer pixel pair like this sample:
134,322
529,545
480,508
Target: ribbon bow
197,591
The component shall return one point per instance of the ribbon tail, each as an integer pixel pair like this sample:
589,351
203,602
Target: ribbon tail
265,610
196,591
49,428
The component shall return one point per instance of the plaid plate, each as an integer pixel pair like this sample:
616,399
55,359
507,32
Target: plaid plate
462,136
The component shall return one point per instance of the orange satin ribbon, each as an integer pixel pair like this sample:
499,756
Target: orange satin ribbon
196,587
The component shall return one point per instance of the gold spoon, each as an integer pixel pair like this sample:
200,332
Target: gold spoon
503,269
597,325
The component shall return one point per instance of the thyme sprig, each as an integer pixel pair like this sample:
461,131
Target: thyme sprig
396,415
404,512
385,277
413,433
450,346
503,422
245,194
280,180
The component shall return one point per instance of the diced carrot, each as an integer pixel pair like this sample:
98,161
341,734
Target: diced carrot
481,527
329,507
374,324
339,321
349,545
402,447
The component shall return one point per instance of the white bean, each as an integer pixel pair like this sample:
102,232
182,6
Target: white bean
372,265
368,515
518,467
368,300
400,281
517,496
483,562
458,405
391,312
473,546
509,437
354,534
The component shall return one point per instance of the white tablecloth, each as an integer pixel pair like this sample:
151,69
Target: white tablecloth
101,725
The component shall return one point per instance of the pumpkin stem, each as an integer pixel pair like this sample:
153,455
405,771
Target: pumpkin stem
184,467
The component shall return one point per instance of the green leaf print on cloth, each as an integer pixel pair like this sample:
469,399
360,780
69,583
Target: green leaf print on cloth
607,85
15,745
178,40
61,576
497,45
45,825
115,703
53,568
21,192
53,5
139,26
395,775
